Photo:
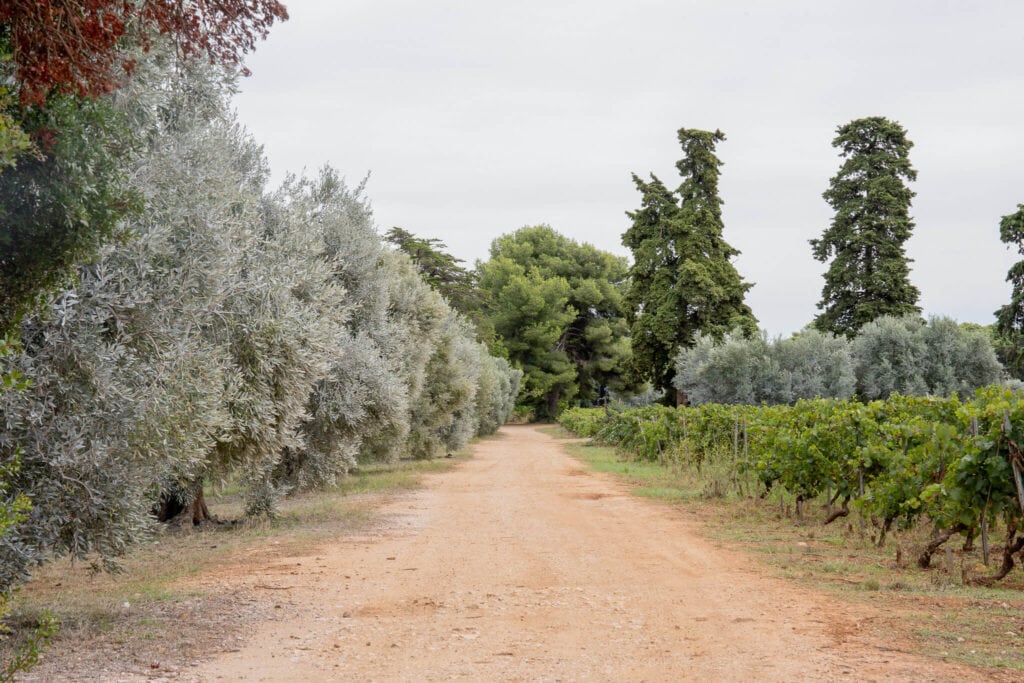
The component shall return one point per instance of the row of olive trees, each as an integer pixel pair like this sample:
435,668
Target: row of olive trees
902,355
231,331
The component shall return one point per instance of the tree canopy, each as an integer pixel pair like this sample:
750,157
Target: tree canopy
682,282
889,355
58,206
265,336
86,48
63,146
558,309
869,272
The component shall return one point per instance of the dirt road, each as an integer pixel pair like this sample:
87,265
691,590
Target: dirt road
522,565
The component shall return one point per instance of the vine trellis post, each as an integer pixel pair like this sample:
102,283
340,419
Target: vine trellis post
735,451
746,457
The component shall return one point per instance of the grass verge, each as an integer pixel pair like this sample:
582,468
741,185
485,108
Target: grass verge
931,609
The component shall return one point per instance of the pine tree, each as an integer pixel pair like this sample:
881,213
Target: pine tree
869,275
558,306
683,281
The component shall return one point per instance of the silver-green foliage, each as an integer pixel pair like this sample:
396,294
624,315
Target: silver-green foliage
90,430
443,417
908,356
756,370
132,383
496,392
890,355
736,370
815,364
232,332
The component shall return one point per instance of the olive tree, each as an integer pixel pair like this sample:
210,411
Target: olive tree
889,355
497,388
908,356
815,365
735,370
241,333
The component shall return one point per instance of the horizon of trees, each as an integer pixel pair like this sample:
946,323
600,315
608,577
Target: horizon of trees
681,290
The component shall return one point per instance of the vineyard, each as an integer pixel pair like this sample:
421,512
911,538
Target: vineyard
894,464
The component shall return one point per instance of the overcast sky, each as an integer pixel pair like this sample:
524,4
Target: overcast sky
477,118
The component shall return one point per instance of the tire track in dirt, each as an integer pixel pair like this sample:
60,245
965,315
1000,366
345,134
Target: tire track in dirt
522,565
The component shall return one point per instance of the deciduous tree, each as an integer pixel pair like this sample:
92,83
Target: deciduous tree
58,206
85,47
57,58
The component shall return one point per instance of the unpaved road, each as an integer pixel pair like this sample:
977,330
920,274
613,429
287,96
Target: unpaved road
522,565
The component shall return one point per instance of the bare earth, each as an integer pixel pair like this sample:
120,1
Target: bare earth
522,565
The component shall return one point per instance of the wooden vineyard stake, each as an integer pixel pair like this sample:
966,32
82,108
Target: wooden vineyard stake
860,490
735,451
746,457
984,534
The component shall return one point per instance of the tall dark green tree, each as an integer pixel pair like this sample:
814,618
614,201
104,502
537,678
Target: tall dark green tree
558,306
1010,318
869,273
682,280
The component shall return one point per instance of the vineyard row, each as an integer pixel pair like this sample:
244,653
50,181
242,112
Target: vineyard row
900,462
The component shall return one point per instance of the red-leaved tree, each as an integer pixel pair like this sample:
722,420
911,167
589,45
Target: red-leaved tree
79,46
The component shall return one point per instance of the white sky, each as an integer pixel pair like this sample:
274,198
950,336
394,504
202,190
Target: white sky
477,118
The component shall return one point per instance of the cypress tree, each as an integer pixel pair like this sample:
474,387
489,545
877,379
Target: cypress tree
869,273
683,281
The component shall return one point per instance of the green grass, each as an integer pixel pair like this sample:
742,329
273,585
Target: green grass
665,493
605,459
557,431
389,477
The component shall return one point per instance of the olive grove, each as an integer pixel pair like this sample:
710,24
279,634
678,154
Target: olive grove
230,331
891,355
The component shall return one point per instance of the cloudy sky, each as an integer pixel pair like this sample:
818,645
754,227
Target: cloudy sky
476,118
